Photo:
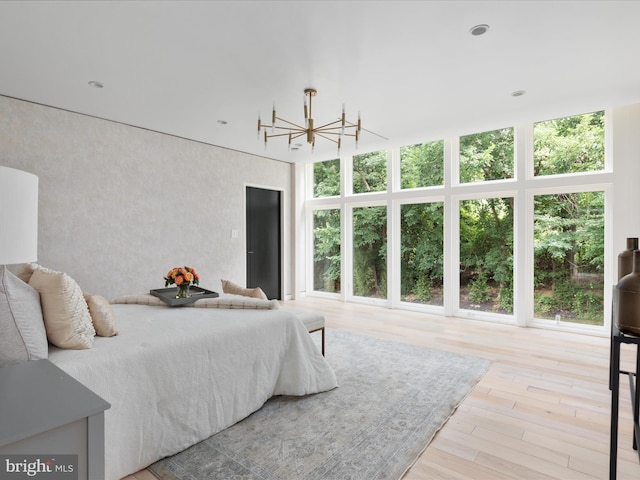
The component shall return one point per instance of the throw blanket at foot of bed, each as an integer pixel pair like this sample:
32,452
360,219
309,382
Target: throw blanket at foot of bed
175,376
225,300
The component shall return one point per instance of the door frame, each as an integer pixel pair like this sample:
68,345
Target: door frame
283,204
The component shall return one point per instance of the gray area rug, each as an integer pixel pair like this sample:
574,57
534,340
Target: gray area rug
391,401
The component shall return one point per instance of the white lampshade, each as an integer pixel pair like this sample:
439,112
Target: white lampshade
18,216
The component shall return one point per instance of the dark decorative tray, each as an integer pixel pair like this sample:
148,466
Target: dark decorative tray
168,295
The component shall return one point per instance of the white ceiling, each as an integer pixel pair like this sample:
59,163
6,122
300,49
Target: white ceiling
411,67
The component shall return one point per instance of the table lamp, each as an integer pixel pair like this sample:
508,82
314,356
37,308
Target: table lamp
18,216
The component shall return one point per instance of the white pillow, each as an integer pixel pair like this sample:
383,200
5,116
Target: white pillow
102,316
66,314
22,333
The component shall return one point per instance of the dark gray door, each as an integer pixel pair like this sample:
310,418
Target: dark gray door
264,241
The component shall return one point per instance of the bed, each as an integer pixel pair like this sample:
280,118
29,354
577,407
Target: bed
175,376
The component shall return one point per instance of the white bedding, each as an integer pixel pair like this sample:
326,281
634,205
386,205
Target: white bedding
175,376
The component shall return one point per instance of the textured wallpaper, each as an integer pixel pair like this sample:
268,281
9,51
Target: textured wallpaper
119,206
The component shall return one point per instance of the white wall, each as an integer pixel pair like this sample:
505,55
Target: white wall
119,206
625,156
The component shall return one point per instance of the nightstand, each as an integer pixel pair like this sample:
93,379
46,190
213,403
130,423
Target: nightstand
46,412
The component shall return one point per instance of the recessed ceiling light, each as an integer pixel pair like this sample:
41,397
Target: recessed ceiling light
518,93
222,122
95,84
479,30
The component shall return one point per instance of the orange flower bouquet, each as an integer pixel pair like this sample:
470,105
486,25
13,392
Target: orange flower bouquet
182,277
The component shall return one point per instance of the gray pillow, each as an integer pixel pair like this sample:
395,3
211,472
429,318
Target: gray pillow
22,333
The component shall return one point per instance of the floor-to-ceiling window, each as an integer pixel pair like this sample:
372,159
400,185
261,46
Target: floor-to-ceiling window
421,225
569,222
326,251
505,224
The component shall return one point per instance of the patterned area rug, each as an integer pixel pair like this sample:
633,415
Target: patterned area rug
391,401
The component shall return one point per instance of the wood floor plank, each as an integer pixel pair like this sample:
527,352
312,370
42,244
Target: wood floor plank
541,411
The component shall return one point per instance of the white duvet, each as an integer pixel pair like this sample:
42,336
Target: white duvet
175,376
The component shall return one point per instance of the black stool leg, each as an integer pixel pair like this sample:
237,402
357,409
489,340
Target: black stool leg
615,384
636,399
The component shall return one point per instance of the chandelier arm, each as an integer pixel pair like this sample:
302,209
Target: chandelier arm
293,137
294,134
288,129
327,132
332,130
327,125
281,135
326,138
358,126
290,123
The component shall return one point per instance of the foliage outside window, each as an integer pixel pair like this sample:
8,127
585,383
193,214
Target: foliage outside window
422,236
326,178
569,257
486,255
569,145
370,172
422,165
486,156
370,252
568,227
326,250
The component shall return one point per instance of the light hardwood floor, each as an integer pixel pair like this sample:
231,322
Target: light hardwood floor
541,412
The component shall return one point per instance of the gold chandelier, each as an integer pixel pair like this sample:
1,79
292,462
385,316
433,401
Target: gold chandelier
332,131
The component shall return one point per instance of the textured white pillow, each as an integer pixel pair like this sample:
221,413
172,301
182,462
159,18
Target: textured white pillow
22,333
66,314
232,288
102,316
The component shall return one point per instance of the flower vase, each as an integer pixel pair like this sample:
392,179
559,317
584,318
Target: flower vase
626,302
625,258
183,291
